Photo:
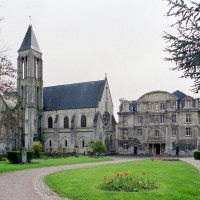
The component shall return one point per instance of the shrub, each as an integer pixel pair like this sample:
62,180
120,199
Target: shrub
127,182
37,148
197,155
30,155
97,147
2,157
14,157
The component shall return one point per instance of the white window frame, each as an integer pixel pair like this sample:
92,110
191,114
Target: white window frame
151,119
174,105
162,119
188,131
157,133
173,118
174,132
139,119
125,145
188,118
162,106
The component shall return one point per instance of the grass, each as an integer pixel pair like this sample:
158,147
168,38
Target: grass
6,166
176,181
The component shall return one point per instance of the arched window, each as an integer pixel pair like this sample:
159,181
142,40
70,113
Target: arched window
83,143
50,144
50,122
66,122
65,143
83,121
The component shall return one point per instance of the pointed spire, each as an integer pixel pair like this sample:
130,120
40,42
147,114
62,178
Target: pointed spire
30,41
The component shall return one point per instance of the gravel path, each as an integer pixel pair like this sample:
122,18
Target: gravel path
29,185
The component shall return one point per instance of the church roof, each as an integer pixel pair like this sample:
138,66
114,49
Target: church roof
73,96
30,41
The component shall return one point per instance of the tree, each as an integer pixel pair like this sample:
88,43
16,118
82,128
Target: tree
97,147
184,47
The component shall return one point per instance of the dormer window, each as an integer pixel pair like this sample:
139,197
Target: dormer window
174,105
126,107
188,103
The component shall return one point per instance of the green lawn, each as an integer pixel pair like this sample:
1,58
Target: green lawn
177,180
5,166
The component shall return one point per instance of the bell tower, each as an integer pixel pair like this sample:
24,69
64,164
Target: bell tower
30,88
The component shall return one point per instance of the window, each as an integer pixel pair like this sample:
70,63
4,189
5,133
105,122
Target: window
188,132
139,131
173,118
157,134
125,120
174,132
156,106
151,119
162,119
188,118
83,143
162,106
125,145
139,119
150,106
138,107
50,143
65,143
174,105
66,122
188,104
125,134
83,121
187,147
126,107
50,122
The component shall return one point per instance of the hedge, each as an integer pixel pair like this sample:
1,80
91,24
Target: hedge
15,157
197,155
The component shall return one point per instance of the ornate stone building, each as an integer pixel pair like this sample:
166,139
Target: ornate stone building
65,117
159,123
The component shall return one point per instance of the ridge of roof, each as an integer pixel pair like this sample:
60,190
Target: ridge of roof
30,41
73,96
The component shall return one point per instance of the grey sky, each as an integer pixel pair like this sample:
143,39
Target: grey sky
81,40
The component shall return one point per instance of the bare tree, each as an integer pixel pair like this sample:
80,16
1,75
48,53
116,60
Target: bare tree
184,47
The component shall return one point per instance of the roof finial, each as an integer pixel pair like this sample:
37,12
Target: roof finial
30,20
105,75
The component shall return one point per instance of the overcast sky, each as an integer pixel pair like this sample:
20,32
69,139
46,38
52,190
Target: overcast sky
81,40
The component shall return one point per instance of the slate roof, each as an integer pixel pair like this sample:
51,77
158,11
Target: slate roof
73,96
179,94
30,41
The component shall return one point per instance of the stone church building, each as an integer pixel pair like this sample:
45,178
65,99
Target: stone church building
159,122
65,117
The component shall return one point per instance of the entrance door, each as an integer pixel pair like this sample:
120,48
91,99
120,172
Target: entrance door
157,149
135,150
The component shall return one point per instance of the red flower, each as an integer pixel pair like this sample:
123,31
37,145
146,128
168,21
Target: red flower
104,177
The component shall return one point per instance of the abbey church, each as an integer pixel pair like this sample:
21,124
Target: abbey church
63,117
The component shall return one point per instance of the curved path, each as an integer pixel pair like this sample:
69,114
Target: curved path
29,185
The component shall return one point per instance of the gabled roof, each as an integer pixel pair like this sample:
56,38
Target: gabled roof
73,96
179,94
30,41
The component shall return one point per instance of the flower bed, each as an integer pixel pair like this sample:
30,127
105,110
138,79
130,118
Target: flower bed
127,182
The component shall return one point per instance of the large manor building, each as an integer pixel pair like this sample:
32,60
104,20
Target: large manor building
159,122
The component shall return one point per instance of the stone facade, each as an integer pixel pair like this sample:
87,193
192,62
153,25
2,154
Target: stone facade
76,136
158,123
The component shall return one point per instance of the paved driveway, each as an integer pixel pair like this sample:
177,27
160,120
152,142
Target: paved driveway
29,185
